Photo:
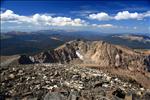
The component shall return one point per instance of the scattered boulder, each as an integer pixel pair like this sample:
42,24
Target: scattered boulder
65,82
74,95
119,93
54,96
11,76
135,96
98,84
146,96
147,63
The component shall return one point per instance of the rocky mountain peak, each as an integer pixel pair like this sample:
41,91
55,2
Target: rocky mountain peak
95,52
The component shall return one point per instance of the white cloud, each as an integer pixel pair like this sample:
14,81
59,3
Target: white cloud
146,14
124,15
99,16
40,19
83,13
127,15
135,28
104,25
43,21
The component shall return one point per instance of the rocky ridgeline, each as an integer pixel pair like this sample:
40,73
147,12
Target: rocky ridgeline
66,82
93,52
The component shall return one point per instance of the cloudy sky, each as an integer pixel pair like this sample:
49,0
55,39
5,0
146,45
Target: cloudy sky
107,16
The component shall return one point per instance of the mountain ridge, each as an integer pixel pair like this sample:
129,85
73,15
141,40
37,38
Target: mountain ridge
94,52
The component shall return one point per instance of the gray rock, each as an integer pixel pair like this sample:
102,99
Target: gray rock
135,96
74,95
54,96
11,76
146,96
119,93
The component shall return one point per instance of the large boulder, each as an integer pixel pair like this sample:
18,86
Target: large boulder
119,93
54,96
146,96
24,59
147,63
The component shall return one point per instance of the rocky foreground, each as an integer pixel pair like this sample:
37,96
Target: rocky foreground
66,82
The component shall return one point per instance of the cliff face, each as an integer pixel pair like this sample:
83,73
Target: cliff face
63,55
95,52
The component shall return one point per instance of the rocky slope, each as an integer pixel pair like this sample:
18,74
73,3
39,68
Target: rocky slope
93,52
66,82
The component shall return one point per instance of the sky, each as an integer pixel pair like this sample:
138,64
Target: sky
105,16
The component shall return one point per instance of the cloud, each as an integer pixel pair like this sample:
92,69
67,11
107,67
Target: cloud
47,21
124,15
99,16
40,19
146,14
135,27
127,15
104,25
83,12
9,15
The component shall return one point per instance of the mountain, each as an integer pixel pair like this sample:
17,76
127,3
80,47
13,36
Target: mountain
26,43
132,37
131,40
78,69
13,43
93,52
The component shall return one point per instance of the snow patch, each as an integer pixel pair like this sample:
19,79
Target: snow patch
79,55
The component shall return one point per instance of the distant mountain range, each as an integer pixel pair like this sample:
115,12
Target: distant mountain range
33,42
132,37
